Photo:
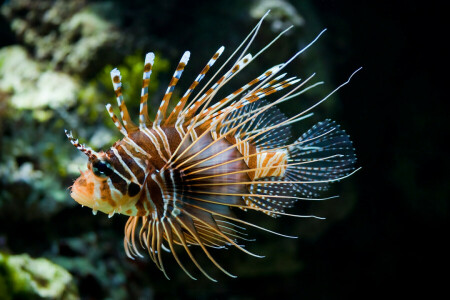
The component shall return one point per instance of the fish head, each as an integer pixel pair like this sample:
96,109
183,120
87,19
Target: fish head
103,187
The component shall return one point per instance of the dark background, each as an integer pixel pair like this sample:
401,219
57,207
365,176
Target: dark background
393,243
390,242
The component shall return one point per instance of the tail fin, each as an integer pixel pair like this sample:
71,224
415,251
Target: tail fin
321,155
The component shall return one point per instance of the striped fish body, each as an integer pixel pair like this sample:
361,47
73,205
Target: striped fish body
140,157
180,177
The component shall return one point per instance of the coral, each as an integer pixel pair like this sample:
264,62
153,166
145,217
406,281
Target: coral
31,85
70,35
283,14
28,278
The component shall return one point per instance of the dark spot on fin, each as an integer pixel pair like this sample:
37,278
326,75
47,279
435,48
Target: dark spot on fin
133,189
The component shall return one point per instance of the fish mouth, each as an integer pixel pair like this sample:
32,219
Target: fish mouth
87,200
82,198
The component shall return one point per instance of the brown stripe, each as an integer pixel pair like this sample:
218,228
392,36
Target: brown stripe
205,69
118,91
116,79
119,183
147,145
140,205
220,80
252,98
194,84
173,81
115,163
253,81
156,198
90,188
114,118
134,152
166,98
105,193
147,67
181,66
173,137
131,163
238,91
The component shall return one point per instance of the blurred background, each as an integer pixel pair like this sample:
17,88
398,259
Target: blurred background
383,238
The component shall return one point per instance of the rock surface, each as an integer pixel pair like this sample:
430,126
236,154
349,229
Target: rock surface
29,278
31,85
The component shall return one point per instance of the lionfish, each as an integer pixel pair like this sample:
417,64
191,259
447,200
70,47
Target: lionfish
180,177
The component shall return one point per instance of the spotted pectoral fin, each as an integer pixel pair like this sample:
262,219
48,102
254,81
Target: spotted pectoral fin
187,205
253,120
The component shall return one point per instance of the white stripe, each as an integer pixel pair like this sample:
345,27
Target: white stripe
97,193
185,57
259,159
175,211
178,74
125,167
136,146
116,123
149,58
180,130
137,160
193,134
271,162
155,142
116,195
163,136
163,194
147,194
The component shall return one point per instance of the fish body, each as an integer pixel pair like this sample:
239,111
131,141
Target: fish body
180,177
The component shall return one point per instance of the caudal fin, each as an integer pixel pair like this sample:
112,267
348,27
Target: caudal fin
321,155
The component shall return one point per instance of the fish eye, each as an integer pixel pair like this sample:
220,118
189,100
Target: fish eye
101,168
